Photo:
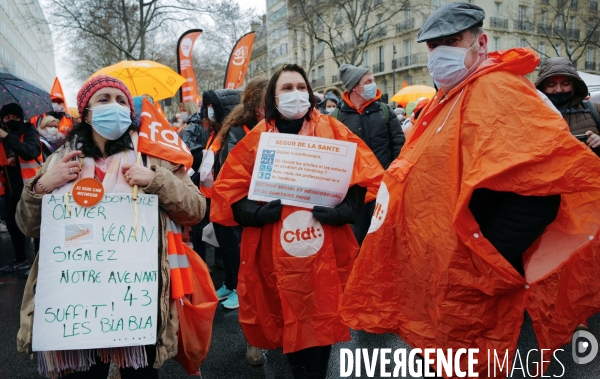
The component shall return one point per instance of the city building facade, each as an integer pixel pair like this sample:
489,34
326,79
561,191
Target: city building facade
568,28
26,47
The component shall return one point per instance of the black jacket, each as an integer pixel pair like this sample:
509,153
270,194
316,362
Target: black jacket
233,137
195,136
385,140
222,101
29,149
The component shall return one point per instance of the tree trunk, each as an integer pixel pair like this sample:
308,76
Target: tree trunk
142,32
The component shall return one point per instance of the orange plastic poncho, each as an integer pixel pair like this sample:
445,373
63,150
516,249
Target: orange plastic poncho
285,299
427,273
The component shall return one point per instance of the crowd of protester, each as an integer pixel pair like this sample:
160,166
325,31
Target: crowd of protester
222,131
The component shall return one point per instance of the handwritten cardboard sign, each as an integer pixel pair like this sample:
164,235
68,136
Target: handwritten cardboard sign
98,280
303,171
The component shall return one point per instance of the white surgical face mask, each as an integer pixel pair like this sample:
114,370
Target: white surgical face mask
330,109
211,114
58,107
447,64
293,105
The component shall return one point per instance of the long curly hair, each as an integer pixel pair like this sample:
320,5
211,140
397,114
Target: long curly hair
82,133
245,112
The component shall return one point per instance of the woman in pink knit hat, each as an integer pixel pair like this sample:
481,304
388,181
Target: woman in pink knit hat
102,147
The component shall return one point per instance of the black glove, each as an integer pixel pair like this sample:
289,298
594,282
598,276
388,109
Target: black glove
346,212
251,213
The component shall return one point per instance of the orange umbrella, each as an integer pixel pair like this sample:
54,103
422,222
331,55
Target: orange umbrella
412,93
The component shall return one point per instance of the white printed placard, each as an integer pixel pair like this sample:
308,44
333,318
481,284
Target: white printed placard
97,284
302,171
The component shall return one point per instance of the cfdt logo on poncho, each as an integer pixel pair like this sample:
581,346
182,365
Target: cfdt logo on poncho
302,235
381,208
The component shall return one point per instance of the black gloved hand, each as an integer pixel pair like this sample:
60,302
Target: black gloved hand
345,212
268,213
251,213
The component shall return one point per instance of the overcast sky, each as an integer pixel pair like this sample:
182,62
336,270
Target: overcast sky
70,86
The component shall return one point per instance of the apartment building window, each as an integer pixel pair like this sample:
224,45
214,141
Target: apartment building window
407,47
321,71
571,49
544,18
296,58
522,14
312,75
408,80
558,50
572,23
543,50
366,59
435,4
522,42
380,54
590,54
497,10
496,43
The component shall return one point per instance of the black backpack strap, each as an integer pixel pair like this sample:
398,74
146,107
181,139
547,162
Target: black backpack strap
239,132
592,109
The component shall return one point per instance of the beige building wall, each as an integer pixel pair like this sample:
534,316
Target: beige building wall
395,57
26,47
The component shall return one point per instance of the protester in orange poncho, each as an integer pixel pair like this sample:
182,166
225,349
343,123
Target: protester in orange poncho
287,300
441,263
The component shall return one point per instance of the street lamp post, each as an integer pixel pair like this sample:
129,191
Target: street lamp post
394,69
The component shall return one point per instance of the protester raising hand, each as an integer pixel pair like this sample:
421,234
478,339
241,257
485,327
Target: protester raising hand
64,171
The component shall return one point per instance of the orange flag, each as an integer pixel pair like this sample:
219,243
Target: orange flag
404,84
157,138
189,89
238,62
57,93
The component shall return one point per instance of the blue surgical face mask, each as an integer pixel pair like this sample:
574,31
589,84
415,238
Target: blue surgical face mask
369,92
111,120
211,114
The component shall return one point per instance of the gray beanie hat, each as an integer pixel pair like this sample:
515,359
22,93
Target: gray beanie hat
351,75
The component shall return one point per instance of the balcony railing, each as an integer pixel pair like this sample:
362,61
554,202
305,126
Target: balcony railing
394,64
498,23
524,25
544,29
318,82
590,65
593,5
335,79
405,25
380,32
378,67
413,59
573,33
542,60
259,50
560,32
594,36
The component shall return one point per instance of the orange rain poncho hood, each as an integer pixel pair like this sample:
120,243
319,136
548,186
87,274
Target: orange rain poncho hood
426,272
286,300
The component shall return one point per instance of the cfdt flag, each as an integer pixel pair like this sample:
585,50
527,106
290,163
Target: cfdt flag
189,89
157,138
238,62
57,93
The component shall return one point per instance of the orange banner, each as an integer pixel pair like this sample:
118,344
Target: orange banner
238,62
185,46
57,93
157,138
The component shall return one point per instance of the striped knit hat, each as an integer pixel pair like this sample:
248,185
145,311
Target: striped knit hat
96,83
